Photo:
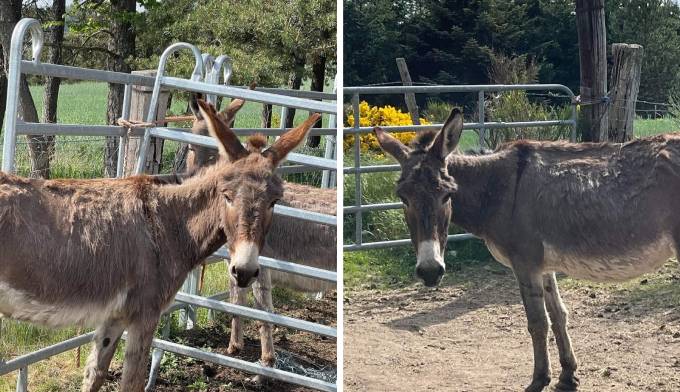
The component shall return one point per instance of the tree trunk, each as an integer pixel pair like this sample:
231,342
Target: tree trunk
318,84
294,83
592,43
122,43
55,36
625,85
10,14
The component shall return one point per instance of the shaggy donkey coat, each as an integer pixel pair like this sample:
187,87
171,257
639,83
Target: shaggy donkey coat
112,253
603,212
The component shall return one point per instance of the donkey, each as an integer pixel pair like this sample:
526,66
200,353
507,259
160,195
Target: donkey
113,253
601,212
282,242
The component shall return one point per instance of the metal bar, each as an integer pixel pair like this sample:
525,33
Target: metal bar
471,88
296,93
487,125
13,78
328,178
23,128
243,365
37,356
371,169
480,108
76,73
285,266
123,140
406,241
310,216
256,314
358,224
249,95
373,207
22,380
250,131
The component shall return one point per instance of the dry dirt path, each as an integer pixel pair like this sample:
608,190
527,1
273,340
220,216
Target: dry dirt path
471,335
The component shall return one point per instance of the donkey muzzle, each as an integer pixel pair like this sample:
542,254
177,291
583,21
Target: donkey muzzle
430,266
244,267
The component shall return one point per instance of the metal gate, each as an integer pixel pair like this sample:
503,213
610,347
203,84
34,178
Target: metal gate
357,170
204,79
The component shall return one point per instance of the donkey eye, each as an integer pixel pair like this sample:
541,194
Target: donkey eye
227,198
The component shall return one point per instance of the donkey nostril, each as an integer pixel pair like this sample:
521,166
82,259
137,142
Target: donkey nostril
441,270
233,270
257,273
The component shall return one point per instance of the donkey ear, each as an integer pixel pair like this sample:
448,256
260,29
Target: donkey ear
193,105
289,140
227,141
447,139
234,106
391,145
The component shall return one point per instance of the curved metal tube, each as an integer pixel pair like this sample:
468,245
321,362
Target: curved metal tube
223,62
13,78
196,76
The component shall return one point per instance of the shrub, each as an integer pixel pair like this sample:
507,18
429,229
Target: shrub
372,116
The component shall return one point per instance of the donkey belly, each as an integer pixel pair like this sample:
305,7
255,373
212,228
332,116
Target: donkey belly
622,264
19,305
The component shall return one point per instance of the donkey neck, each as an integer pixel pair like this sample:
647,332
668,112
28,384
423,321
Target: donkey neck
482,182
194,209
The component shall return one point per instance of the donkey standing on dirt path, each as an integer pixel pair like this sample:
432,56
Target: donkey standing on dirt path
113,253
282,242
603,212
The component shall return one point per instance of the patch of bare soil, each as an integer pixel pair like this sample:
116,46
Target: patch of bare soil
471,335
306,350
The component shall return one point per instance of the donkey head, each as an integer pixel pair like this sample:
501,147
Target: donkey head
426,189
248,186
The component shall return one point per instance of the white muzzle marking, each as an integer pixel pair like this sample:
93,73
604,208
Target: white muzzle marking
429,255
245,256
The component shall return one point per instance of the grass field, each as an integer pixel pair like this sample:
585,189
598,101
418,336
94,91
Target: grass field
82,157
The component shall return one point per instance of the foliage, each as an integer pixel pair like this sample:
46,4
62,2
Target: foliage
452,41
372,116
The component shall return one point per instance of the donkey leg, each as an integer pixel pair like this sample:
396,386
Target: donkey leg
262,289
558,317
140,335
531,289
105,341
238,296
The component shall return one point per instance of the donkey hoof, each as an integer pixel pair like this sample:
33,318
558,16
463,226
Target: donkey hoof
567,384
537,385
234,349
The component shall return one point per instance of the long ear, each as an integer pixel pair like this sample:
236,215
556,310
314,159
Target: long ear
289,140
234,106
391,145
227,141
447,139
193,105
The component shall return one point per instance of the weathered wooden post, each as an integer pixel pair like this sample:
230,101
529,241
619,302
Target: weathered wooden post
592,43
625,84
139,108
410,98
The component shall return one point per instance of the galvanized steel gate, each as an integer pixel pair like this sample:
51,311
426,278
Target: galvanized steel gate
355,93
204,79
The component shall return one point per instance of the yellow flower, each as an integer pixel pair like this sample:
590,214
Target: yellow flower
372,116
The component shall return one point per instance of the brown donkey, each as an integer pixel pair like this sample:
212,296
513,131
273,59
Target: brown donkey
602,212
282,242
113,253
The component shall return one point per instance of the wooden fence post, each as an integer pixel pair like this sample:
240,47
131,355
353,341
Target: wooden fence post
625,84
139,108
592,48
410,98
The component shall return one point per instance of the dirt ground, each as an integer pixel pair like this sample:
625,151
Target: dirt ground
470,335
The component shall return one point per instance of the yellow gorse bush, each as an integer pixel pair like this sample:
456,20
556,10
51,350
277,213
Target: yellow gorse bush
372,116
